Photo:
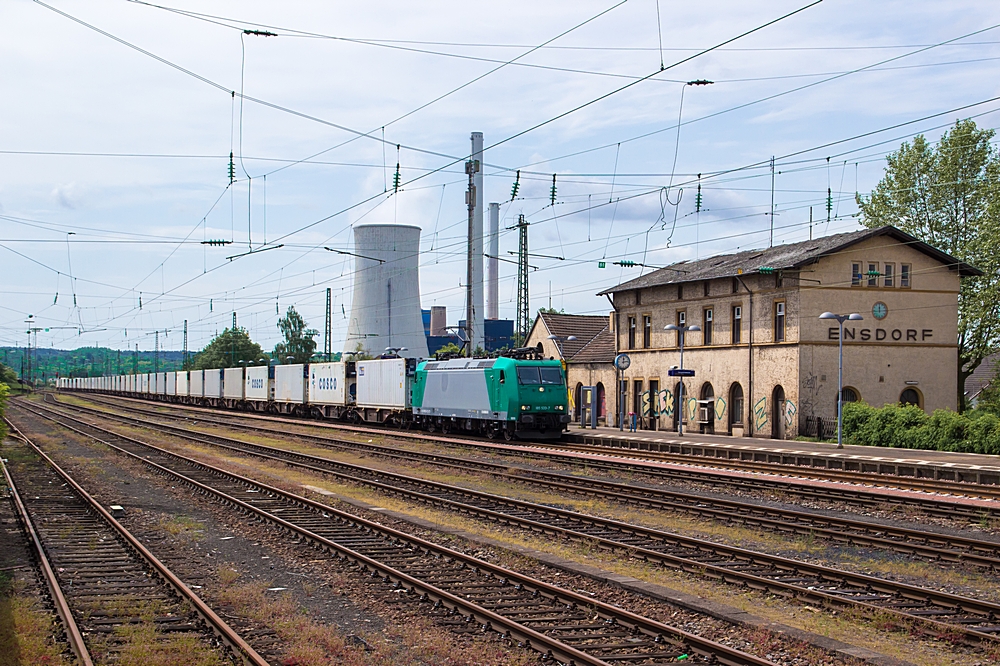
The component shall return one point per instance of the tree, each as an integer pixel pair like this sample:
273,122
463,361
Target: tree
7,375
949,197
299,344
228,349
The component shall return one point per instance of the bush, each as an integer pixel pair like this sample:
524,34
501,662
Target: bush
909,427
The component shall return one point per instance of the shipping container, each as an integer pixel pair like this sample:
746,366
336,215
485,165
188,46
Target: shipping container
182,383
232,384
290,383
196,383
144,383
258,384
161,383
171,383
213,384
329,384
383,383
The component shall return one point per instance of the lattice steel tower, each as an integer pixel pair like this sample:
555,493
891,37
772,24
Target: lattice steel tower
523,321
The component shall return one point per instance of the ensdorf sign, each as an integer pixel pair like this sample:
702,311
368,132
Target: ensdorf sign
882,334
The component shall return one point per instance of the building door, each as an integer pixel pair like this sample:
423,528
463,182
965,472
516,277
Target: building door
778,413
707,403
577,405
678,407
637,401
601,408
654,404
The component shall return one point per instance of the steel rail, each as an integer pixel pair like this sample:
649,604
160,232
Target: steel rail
814,583
912,483
653,633
73,634
621,458
218,626
931,545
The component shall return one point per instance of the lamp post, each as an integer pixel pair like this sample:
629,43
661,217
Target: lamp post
394,351
681,330
559,339
854,316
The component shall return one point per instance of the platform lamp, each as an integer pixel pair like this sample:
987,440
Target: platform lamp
559,339
681,330
854,316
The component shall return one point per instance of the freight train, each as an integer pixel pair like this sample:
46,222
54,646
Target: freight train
497,397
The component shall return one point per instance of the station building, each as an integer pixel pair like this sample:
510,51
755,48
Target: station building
765,363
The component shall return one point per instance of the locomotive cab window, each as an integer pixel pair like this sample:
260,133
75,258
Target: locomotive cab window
528,375
551,376
503,377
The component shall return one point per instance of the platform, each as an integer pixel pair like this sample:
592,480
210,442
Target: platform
945,465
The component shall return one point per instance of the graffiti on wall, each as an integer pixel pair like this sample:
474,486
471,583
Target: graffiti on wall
720,408
760,414
789,412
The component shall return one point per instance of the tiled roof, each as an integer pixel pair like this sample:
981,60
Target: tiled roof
793,255
601,349
982,376
584,327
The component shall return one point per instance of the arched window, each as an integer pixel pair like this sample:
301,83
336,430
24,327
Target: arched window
851,394
735,404
910,396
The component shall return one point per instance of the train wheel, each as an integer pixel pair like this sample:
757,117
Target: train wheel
445,427
492,431
508,433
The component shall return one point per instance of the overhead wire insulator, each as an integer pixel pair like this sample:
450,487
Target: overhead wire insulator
697,198
829,203
552,192
516,186
396,179
232,169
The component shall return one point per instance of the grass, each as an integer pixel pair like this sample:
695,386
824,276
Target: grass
26,629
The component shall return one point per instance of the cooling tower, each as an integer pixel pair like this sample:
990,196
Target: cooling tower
439,320
385,309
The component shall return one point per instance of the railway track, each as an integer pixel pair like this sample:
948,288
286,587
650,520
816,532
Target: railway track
923,543
940,613
551,449
459,590
785,478
109,591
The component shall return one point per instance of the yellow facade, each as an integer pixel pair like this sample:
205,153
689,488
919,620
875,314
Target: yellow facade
783,359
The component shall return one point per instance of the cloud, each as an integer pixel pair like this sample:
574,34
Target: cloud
68,195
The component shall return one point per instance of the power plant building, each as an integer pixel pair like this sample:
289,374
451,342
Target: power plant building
385,309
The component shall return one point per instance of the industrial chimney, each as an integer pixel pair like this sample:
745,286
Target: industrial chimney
385,309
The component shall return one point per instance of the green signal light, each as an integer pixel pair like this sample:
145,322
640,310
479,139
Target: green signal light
601,264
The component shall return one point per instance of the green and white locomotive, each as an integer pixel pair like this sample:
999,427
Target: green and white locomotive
497,397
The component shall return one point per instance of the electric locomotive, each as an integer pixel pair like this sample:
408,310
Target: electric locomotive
498,397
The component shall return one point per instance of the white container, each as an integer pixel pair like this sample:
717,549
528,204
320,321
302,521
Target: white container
328,384
182,383
290,383
196,383
171,383
161,383
213,383
257,385
232,384
383,383
144,382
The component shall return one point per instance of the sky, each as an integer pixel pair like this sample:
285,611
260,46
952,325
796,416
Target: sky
117,120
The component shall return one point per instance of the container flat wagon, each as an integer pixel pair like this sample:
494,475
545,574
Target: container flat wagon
498,397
